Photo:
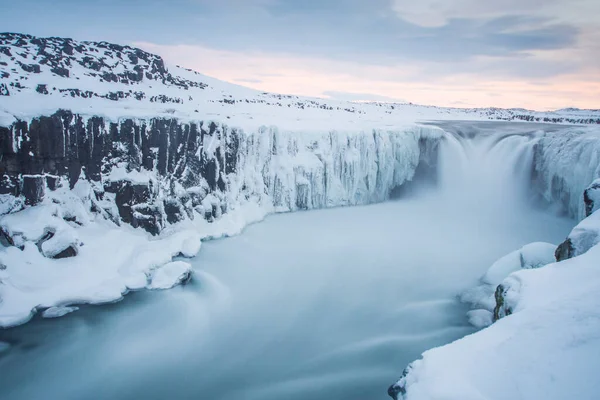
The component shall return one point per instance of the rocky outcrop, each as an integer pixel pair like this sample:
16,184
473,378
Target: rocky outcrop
591,198
502,309
564,251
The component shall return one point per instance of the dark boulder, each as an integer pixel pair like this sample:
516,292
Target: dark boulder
129,194
52,182
42,89
148,217
564,251
66,253
60,71
591,198
174,211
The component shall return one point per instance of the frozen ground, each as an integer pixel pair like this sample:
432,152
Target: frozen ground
312,305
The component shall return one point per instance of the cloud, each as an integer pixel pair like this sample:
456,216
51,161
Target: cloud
484,83
436,13
248,80
350,96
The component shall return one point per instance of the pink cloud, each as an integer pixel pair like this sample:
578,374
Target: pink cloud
290,74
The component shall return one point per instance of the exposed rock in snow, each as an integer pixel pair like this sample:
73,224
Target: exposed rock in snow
591,198
61,244
33,189
582,238
57,312
171,275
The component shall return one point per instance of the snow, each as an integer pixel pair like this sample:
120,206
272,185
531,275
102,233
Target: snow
170,275
119,173
548,348
482,299
533,255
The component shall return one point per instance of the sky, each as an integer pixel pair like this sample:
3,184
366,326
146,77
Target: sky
535,54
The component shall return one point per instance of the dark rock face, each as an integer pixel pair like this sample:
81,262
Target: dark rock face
33,189
66,253
591,198
501,310
36,154
148,217
396,390
564,251
174,211
129,195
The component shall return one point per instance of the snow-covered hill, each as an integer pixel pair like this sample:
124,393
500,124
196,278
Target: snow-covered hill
40,75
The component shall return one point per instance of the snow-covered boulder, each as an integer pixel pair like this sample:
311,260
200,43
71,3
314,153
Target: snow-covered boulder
171,275
62,244
484,298
582,238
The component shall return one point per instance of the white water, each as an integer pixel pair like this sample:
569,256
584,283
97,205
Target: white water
317,305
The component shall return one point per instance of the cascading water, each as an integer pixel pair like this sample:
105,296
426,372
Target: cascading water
322,305
491,171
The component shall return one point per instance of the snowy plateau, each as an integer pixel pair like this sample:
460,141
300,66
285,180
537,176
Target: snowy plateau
115,166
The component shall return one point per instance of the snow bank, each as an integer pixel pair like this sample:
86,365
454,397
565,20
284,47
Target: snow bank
549,348
482,298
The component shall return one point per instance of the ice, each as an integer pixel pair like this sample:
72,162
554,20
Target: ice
566,164
57,312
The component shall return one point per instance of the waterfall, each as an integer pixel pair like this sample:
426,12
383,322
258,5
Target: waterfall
491,170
